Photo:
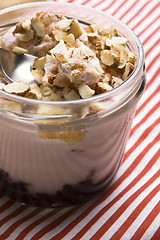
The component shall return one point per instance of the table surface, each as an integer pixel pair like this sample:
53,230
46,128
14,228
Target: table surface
130,209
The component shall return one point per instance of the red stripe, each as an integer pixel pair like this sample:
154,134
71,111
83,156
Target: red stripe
146,28
122,4
156,234
152,62
85,2
123,207
138,12
98,3
129,9
33,225
53,224
152,47
71,1
155,107
153,79
13,227
13,215
150,36
141,139
132,217
146,16
6,205
147,222
110,5
108,193
151,96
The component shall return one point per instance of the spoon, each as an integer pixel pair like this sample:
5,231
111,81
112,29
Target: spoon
16,66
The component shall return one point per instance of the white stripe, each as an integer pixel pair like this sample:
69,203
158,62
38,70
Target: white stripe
152,87
45,223
114,6
123,9
151,42
133,11
143,13
9,210
65,223
102,5
141,217
147,20
150,57
149,30
16,218
118,204
148,156
152,228
129,211
118,190
24,225
144,112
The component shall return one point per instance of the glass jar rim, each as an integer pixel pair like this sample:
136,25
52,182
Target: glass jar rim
99,97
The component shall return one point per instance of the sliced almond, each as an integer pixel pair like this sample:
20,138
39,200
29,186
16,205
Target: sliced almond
128,69
107,58
19,50
85,91
75,28
18,88
25,37
38,27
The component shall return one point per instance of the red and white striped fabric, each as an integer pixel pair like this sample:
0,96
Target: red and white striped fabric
131,207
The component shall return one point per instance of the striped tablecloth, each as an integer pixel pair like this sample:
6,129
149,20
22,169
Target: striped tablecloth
130,209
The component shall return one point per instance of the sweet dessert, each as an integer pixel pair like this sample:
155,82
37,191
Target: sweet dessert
73,62
52,153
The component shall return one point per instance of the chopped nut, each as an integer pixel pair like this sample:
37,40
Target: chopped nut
92,37
100,43
75,28
25,37
23,27
59,48
38,27
19,50
123,59
99,28
128,69
64,24
115,82
38,75
60,35
103,87
119,40
72,95
18,88
85,91
107,58
39,62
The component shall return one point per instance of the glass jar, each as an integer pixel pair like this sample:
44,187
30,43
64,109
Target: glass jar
55,157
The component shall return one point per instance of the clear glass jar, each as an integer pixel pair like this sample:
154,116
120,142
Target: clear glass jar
54,157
